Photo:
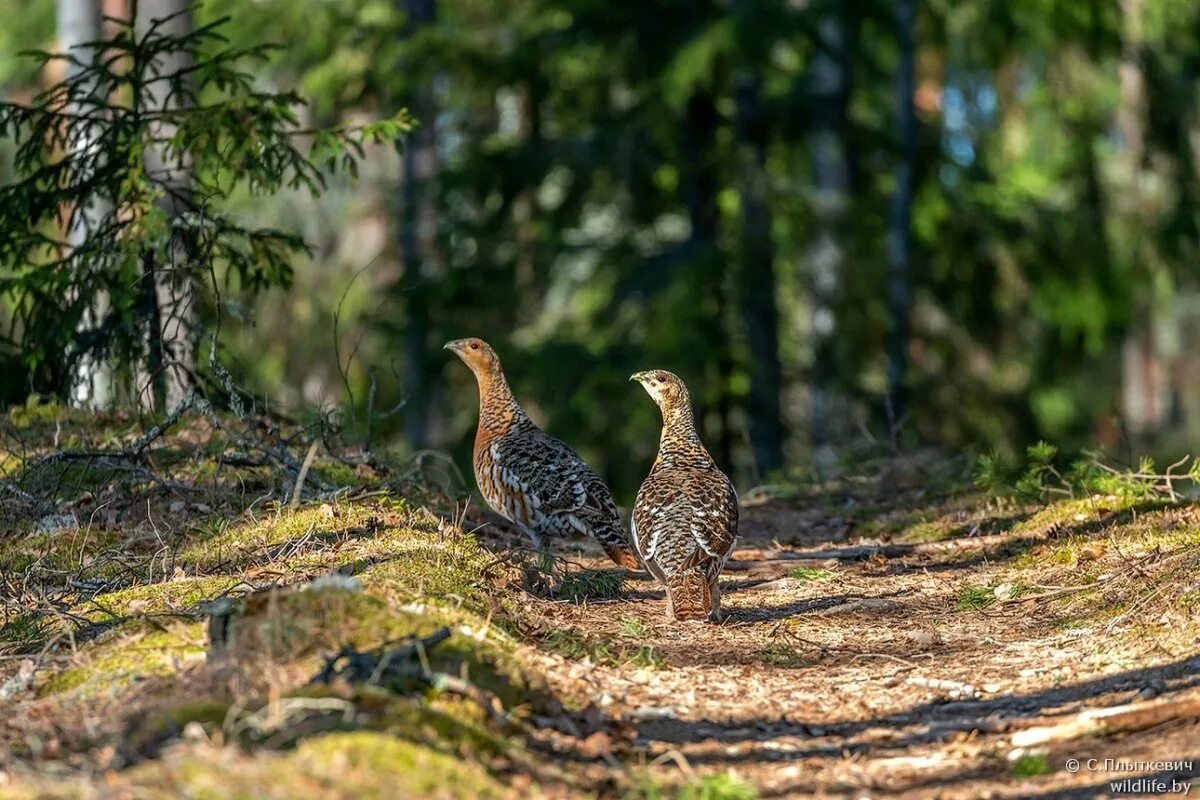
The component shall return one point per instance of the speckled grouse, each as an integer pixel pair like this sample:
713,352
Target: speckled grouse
686,515
529,477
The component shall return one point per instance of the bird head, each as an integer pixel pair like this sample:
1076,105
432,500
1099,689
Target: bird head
665,388
476,354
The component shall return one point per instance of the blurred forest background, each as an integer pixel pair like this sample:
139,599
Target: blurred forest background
846,223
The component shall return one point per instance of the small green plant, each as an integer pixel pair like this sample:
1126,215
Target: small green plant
603,651
590,584
21,633
992,474
811,574
645,657
1041,476
972,597
1029,482
1036,482
718,787
645,786
634,628
781,655
1030,765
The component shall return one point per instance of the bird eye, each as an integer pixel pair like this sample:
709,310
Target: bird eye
474,345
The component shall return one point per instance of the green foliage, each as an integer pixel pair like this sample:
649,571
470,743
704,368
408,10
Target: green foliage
1038,478
1030,765
125,165
992,473
634,628
603,651
1039,469
972,597
590,584
585,207
782,655
718,787
722,786
811,573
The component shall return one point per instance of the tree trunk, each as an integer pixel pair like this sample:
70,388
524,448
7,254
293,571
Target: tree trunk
91,386
899,243
760,314
1144,381
529,133
417,237
700,186
172,339
829,89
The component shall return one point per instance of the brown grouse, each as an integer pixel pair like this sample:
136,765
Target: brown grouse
530,478
686,515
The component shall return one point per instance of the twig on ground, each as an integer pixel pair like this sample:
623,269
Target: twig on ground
308,460
956,689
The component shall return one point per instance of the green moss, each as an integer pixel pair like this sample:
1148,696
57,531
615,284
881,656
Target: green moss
71,550
181,595
126,655
445,568
36,412
22,633
10,463
718,787
935,531
1081,513
360,764
218,544
340,474
394,766
450,724
287,625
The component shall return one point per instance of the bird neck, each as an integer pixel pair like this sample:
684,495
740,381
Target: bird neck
498,408
680,443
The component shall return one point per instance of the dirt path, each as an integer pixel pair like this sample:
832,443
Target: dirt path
875,643
864,677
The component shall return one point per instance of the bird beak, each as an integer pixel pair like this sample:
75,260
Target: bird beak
452,345
637,376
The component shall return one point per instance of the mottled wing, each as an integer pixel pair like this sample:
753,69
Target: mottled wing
542,484
685,517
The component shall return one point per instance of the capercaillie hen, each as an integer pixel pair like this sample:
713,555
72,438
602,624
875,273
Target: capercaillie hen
686,515
531,478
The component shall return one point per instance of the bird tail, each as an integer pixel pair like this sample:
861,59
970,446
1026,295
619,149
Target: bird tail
690,596
612,539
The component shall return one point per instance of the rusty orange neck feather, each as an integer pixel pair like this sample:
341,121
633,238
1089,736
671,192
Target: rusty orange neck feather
498,409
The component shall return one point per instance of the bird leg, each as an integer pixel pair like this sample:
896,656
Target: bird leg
715,590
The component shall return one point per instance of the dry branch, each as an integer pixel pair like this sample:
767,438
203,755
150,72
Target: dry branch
1105,721
863,552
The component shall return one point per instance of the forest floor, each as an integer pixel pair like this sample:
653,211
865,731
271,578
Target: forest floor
883,635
